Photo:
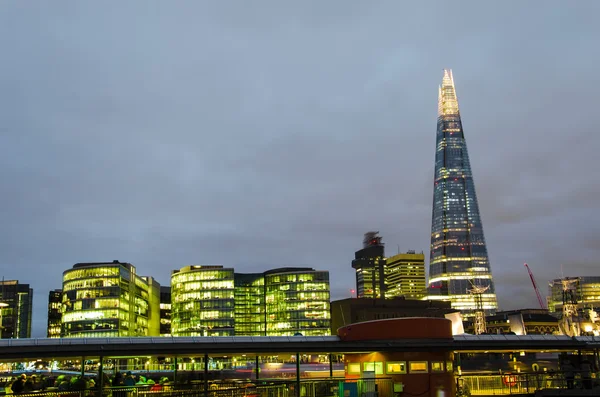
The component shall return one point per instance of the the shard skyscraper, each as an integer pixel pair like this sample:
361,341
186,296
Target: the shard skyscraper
459,261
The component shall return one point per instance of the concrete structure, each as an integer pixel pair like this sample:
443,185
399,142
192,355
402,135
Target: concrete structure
358,310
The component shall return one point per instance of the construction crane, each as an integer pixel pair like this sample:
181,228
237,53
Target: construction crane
535,287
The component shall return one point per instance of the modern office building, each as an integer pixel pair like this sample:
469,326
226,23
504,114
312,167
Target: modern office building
54,313
202,301
369,264
108,299
165,311
15,309
458,258
250,310
587,293
405,276
352,310
297,302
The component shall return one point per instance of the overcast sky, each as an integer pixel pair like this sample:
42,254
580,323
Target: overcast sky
264,134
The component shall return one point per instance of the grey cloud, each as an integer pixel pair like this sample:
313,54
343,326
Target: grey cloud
261,135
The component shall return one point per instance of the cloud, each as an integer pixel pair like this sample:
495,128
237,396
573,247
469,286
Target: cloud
260,135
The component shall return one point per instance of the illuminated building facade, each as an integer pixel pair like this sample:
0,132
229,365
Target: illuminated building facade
202,301
458,257
587,293
405,276
297,302
165,311
54,313
108,299
369,264
16,301
250,308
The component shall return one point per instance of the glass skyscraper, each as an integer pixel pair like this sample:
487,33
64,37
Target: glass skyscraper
458,257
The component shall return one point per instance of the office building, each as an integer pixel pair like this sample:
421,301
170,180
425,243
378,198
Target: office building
369,264
108,299
165,311
405,276
202,301
15,309
54,313
297,302
352,310
458,259
586,288
250,310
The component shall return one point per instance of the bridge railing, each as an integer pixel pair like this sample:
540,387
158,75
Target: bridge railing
331,387
519,383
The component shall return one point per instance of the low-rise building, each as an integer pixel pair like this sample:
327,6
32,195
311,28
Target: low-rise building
358,310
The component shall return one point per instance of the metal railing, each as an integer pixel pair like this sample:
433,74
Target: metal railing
519,383
331,387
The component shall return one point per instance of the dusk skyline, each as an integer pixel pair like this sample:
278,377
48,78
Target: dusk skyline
269,135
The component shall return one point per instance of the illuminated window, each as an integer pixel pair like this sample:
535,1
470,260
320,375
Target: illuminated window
376,367
449,366
437,366
395,367
416,367
353,369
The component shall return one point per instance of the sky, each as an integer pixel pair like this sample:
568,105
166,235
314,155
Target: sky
266,134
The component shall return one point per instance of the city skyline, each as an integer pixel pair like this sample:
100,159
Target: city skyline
265,136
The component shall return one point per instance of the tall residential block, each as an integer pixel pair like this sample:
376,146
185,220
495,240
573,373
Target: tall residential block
16,301
458,258
369,264
202,301
109,299
54,313
405,276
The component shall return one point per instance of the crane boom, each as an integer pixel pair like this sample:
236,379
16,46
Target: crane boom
535,287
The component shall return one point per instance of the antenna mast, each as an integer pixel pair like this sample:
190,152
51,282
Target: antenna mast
480,326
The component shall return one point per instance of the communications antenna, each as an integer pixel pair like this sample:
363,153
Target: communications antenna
477,292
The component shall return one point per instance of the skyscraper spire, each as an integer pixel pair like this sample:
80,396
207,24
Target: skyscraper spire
458,256
447,101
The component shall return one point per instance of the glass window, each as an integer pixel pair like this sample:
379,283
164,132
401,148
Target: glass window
449,366
395,367
416,367
376,367
353,369
437,366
